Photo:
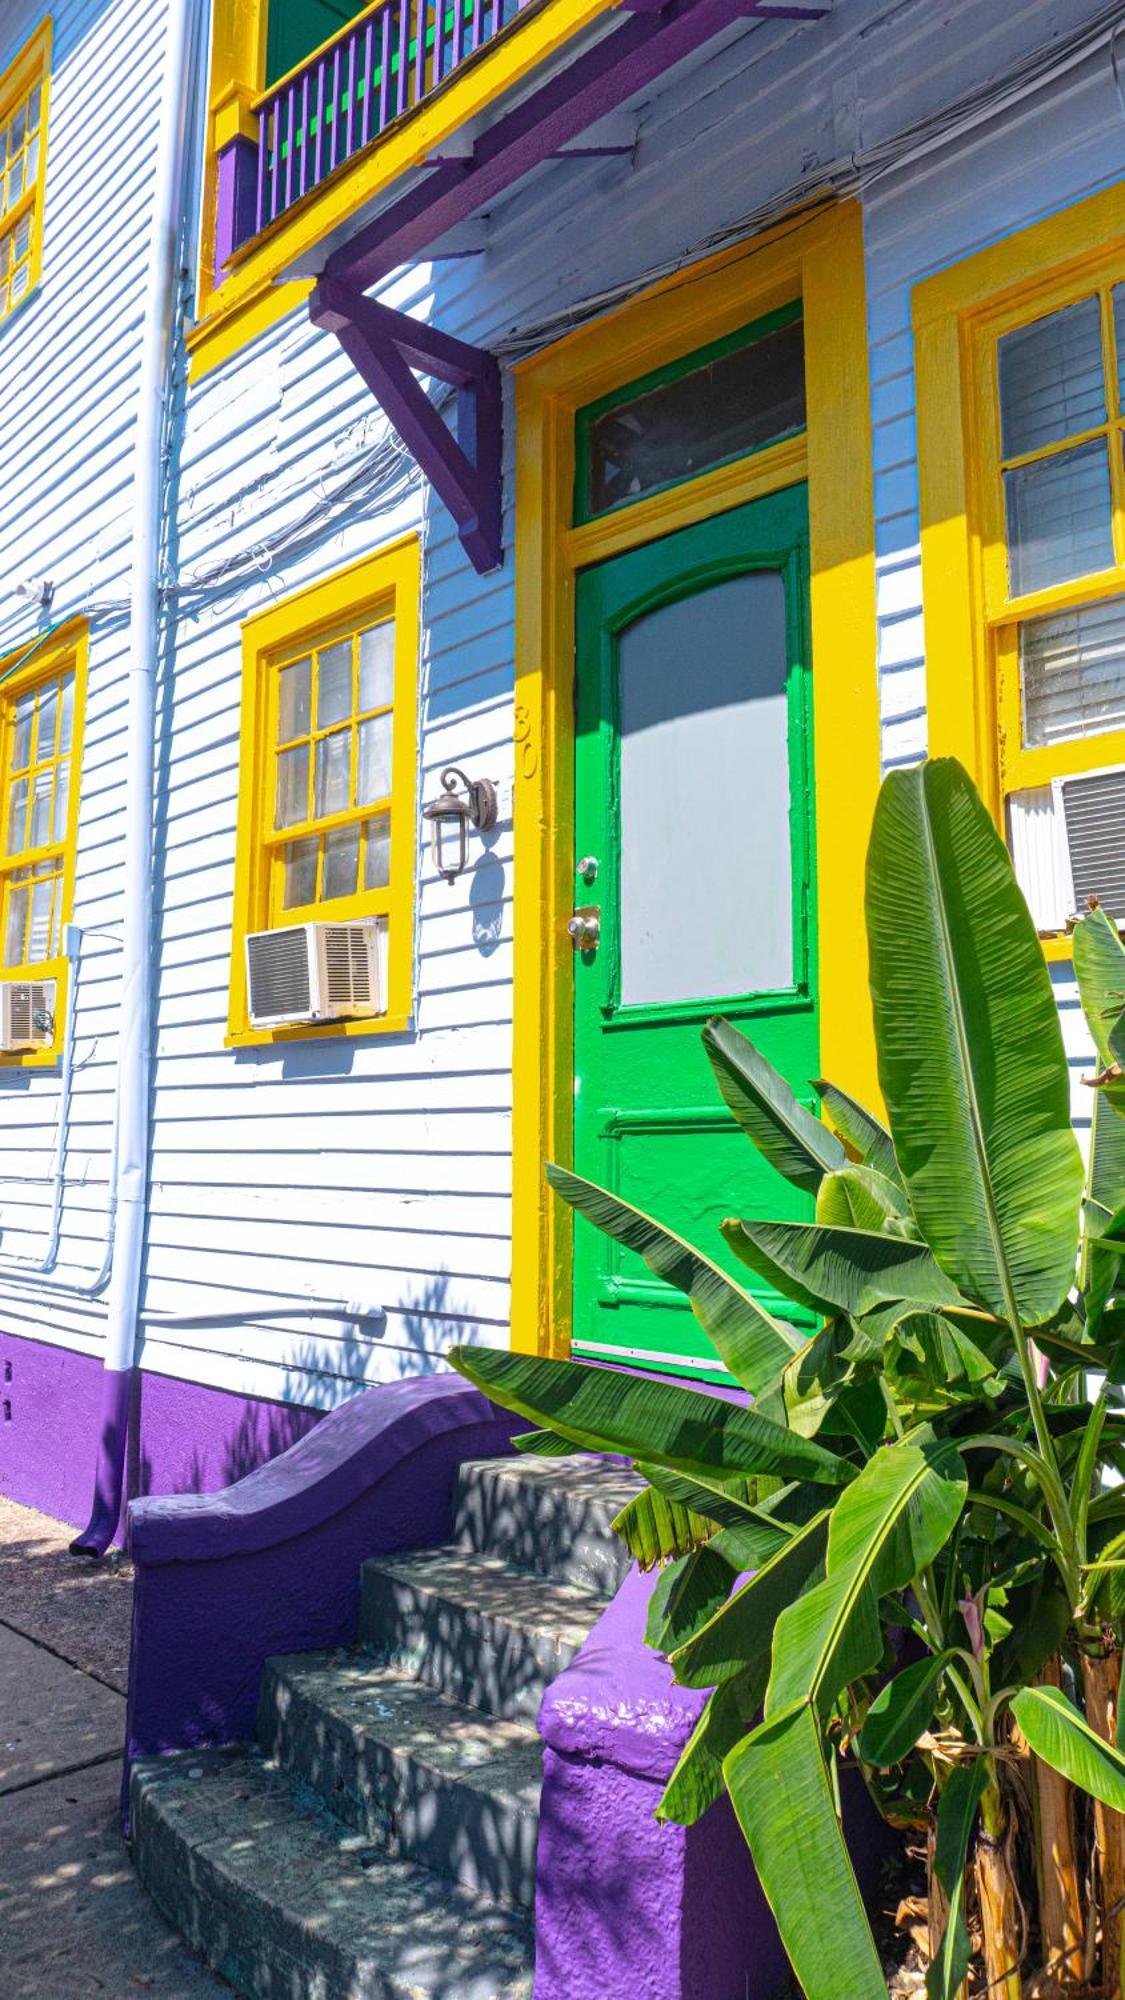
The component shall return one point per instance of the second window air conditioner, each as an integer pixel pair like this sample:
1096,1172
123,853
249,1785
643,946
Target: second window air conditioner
1068,845
27,1014
316,972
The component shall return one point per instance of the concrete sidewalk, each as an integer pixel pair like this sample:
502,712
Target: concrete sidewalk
73,1923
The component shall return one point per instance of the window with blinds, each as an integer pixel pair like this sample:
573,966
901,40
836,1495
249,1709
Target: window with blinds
1054,566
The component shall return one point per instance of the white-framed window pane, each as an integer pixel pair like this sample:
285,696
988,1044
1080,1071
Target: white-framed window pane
292,786
334,685
341,862
1072,673
1052,381
66,715
377,666
40,830
21,746
62,791
377,852
17,816
299,884
294,700
40,941
48,718
1059,518
333,773
16,928
374,760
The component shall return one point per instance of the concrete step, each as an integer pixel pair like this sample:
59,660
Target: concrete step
479,1631
548,1515
261,1882
418,1775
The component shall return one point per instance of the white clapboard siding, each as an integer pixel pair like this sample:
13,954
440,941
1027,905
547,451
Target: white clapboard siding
378,1169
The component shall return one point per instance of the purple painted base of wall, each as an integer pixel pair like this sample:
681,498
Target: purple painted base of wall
184,1438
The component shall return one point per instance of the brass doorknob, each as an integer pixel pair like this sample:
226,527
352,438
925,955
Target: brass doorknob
585,928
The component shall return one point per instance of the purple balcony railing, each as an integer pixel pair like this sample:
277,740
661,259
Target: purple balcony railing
391,58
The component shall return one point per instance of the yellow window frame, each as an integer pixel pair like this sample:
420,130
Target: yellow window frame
31,666
972,619
386,585
31,67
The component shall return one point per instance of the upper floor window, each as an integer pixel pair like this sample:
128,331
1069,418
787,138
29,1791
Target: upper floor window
1055,594
42,691
327,829
23,153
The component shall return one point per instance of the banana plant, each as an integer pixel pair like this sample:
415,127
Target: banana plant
902,1549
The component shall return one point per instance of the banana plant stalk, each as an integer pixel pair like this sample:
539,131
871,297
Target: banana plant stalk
939,1466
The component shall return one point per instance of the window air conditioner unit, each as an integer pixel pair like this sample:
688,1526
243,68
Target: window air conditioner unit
27,1014
1068,844
315,972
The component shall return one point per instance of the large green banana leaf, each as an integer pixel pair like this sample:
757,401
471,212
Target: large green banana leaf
747,1339
970,1050
607,1411
860,1129
1064,1739
884,1529
784,1131
654,1527
860,1198
780,1790
739,1632
840,1270
957,1812
1099,967
697,1779
901,1711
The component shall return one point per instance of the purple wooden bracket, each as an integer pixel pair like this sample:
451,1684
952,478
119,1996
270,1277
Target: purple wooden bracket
236,200
600,79
386,347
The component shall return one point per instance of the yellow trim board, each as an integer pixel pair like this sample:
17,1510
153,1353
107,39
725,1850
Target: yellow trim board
252,297
30,66
818,258
388,581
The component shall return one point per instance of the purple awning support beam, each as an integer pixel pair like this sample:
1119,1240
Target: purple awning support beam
385,347
597,82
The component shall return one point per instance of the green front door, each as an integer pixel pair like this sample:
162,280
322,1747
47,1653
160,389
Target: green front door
694,857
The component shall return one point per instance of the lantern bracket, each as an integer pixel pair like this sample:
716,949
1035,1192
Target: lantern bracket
462,465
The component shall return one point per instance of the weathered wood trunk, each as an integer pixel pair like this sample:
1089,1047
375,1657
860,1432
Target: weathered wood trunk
999,1904
1101,1679
1060,1890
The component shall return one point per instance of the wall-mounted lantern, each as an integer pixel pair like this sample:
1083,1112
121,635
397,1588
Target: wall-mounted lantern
451,815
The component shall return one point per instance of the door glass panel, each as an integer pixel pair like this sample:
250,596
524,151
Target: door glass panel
706,872
735,402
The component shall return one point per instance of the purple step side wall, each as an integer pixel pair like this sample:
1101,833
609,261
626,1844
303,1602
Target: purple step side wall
184,1438
272,1564
624,1905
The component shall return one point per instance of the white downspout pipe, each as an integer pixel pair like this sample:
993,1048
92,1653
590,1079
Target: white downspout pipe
136,1014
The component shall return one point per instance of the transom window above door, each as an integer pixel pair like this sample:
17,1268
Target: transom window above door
1053,514
720,403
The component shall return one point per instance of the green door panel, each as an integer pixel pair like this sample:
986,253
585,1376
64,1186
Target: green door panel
693,800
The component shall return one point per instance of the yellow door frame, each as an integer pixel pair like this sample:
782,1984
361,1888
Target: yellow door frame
817,258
